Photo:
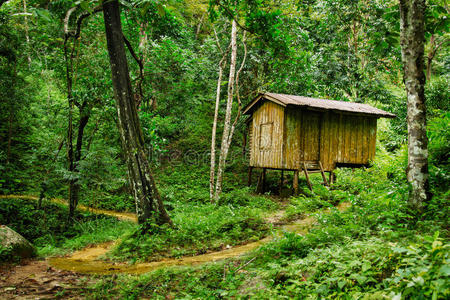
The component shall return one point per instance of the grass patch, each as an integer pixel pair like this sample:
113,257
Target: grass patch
376,249
48,230
200,228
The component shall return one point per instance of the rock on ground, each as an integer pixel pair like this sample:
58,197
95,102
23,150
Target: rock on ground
16,244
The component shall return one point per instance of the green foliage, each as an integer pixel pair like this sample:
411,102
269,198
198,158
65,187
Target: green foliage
439,149
345,50
437,93
199,228
48,230
209,282
422,271
366,269
6,254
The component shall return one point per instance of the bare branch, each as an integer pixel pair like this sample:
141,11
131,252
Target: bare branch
141,68
222,64
217,39
133,54
67,18
84,16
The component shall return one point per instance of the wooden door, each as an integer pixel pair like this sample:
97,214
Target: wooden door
311,135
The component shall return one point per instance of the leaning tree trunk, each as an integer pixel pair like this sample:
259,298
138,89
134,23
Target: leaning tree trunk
147,198
412,42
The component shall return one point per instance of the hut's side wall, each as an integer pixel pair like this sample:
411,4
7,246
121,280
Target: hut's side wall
292,141
266,144
347,139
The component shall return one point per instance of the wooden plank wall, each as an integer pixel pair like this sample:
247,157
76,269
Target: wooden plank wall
347,139
293,144
311,129
343,138
267,151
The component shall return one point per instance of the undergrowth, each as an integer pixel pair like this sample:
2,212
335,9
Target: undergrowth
376,249
200,227
47,228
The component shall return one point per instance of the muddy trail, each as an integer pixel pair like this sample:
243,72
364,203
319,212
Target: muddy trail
88,260
124,216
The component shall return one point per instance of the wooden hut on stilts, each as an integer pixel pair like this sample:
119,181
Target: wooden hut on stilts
295,133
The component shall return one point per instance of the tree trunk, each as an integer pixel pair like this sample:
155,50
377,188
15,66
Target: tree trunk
227,123
10,134
27,36
147,198
70,152
214,129
412,42
74,185
430,57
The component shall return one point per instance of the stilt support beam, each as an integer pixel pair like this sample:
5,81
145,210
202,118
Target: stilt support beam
264,180
305,169
281,182
295,183
323,174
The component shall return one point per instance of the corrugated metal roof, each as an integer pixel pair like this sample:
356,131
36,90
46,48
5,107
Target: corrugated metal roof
352,107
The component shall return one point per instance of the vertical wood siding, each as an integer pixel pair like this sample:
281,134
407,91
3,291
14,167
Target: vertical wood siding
292,154
311,135
347,139
295,135
267,150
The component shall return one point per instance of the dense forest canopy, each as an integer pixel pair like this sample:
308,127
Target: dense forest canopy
135,106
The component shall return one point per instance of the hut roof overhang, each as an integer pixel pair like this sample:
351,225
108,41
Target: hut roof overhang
318,104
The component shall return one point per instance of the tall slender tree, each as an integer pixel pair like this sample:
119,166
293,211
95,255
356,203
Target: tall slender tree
412,26
228,127
146,195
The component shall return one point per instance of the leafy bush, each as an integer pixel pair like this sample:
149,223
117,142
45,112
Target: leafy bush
439,149
5,254
423,270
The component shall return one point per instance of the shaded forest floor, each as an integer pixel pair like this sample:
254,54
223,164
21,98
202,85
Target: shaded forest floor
64,276
36,279
374,247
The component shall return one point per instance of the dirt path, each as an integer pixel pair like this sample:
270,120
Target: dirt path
86,260
62,275
125,216
35,279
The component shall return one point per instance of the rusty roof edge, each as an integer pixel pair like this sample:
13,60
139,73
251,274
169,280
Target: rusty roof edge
250,105
377,112
284,100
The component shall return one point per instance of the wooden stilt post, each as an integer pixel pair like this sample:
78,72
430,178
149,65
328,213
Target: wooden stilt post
323,174
259,183
281,181
250,169
264,180
332,178
307,176
295,183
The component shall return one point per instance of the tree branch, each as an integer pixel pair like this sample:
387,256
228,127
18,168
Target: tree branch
76,34
231,15
141,67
